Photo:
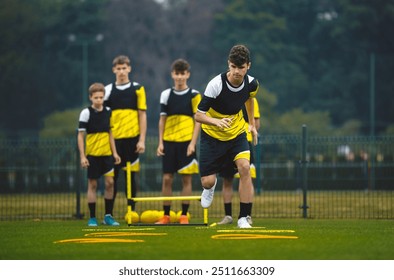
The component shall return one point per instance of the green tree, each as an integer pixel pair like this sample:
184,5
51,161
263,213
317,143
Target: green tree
318,123
267,102
315,54
60,124
251,23
21,54
343,36
40,68
157,35
309,55
389,130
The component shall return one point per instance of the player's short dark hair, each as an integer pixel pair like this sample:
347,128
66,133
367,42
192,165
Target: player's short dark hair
180,65
239,55
96,87
121,59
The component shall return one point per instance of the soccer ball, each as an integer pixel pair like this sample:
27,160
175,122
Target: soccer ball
135,218
150,216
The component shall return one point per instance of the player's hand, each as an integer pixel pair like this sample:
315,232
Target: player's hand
160,150
84,162
253,130
140,148
117,159
191,149
224,123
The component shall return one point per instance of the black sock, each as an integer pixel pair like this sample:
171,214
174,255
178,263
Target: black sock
228,209
109,205
250,209
243,209
167,209
116,171
185,208
132,205
92,209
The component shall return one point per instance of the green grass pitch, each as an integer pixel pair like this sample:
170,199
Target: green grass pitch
269,239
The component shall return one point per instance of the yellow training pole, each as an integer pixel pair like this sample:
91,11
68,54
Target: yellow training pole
162,198
129,186
205,216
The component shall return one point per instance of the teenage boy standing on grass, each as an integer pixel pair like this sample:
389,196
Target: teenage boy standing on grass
224,128
127,101
178,133
100,153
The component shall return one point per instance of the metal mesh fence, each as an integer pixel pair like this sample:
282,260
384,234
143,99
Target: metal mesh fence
347,177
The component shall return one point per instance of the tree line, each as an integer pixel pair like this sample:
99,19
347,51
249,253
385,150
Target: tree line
319,62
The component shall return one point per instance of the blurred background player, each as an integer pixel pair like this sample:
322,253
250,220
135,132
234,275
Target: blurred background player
229,173
127,101
100,152
178,134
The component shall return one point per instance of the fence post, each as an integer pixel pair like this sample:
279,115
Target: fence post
304,175
78,181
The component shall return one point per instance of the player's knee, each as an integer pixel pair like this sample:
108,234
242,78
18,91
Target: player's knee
244,169
167,178
208,182
109,181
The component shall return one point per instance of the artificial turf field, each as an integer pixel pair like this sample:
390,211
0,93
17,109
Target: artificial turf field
269,239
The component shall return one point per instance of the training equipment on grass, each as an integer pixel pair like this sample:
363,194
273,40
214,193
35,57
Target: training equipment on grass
135,218
149,217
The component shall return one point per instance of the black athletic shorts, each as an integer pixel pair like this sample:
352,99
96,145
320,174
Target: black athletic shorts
229,169
176,159
99,166
126,150
216,154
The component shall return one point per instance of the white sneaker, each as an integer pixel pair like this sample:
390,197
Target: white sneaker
207,197
249,219
226,220
243,223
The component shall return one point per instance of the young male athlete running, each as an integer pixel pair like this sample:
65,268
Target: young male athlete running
224,128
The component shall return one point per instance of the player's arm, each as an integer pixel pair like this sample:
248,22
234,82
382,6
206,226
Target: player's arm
192,145
214,87
249,105
81,148
191,148
201,117
257,123
160,147
113,148
143,125
142,120
256,115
